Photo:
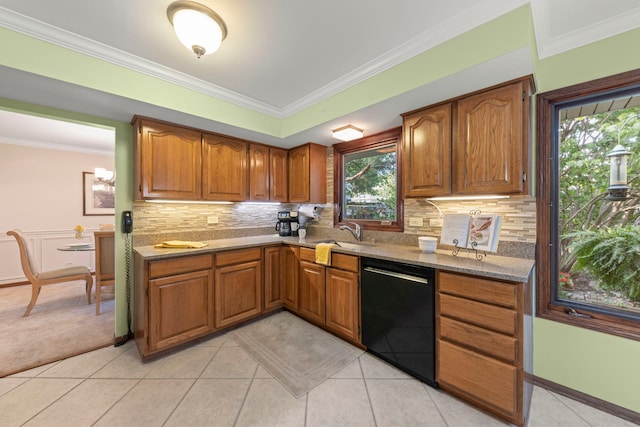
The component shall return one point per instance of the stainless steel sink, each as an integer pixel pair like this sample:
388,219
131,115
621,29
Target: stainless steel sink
347,245
355,245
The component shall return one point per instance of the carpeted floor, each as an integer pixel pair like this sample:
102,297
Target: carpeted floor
298,354
60,325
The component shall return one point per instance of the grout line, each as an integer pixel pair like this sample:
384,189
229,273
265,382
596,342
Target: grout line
366,389
246,393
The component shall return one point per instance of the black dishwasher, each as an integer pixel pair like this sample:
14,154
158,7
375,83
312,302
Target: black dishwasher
398,315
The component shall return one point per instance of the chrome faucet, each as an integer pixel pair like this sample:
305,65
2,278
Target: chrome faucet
357,233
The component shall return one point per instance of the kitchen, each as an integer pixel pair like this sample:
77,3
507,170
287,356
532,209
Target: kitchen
551,348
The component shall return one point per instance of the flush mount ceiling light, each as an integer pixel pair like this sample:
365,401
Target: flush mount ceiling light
347,133
198,28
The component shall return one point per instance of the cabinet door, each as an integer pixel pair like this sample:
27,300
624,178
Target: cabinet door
308,174
278,175
291,274
238,294
311,298
168,159
259,178
488,151
180,308
224,169
274,274
343,303
426,157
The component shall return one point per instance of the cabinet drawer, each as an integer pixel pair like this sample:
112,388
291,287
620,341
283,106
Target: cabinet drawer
307,254
345,262
486,315
183,264
492,343
491,291
238,256
487,380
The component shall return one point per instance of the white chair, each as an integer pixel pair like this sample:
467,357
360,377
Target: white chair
39,279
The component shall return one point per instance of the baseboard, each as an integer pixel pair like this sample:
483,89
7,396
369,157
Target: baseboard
594,402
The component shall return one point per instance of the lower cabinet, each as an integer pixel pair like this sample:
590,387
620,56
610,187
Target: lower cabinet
481,338
274,285
311,293
238,286
291,266
330,296
173,302
342,313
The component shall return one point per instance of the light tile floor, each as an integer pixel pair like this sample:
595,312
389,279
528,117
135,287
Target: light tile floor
216,383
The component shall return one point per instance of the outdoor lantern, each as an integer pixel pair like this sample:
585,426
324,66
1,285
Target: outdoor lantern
618,173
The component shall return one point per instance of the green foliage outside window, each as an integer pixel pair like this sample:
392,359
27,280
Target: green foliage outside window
370,185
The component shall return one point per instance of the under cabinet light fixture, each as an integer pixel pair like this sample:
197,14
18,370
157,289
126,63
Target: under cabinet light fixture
347,133
486,197
198,28
190,202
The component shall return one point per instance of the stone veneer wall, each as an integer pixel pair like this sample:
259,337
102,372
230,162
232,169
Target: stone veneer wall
155,222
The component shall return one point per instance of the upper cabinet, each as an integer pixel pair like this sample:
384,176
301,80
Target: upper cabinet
426,152
491,140
224,168
476,144
267,173
308,174
168,160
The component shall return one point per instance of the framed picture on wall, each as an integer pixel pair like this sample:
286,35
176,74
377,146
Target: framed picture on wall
98,197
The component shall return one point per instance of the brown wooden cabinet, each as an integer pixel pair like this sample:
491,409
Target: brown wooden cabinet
343,302
169,161
330,296
477,144
224,168
267,173
308,174
274,277
311,292
238,286
490,144
173,302
426,155
291,255
482,356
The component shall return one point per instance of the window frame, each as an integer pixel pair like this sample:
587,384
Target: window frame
548,307
341,149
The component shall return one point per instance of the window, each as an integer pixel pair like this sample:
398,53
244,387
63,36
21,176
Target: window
588,216
367,186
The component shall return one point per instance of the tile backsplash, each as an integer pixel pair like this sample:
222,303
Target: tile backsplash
155,222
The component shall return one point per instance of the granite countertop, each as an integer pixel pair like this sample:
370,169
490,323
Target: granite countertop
491,266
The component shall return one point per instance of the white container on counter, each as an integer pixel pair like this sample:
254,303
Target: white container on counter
427,244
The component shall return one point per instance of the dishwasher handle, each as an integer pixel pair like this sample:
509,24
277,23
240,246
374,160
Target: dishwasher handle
397,275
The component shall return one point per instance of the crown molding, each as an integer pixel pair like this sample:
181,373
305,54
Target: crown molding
58,147
550,46
473,17
57,36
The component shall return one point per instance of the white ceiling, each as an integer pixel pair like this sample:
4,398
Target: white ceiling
282,56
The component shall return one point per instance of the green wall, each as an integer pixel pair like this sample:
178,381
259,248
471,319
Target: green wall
594,363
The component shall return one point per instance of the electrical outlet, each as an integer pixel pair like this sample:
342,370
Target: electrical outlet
68,264
212,220
436,222
415,222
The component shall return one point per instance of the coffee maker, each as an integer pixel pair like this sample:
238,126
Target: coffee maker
283,226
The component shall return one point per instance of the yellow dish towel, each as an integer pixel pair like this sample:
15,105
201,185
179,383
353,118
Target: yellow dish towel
323,253
180,244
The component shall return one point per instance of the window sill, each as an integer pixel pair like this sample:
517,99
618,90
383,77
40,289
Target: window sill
596,322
